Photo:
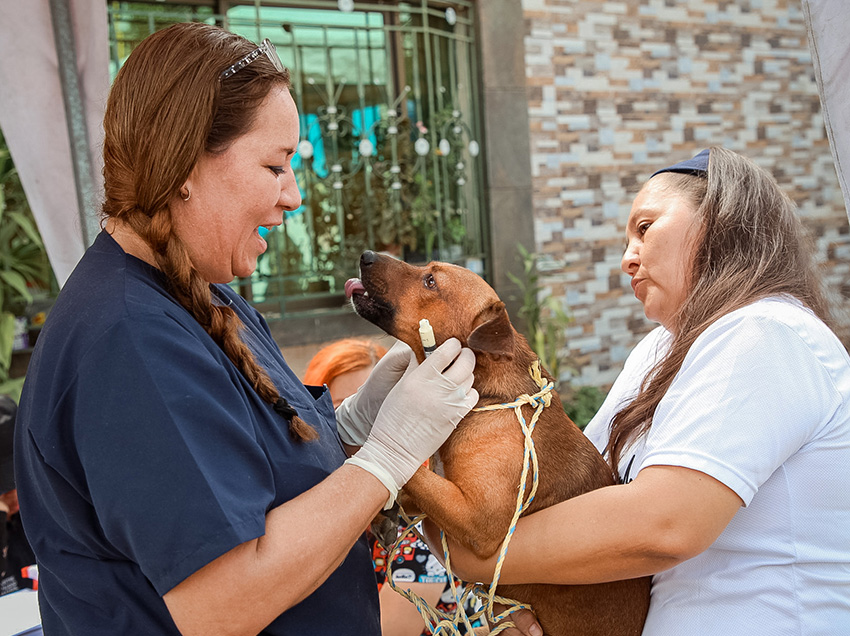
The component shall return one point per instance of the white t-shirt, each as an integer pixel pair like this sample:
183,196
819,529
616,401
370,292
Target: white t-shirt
762,404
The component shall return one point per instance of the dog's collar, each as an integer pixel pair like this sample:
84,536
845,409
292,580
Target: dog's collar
543,396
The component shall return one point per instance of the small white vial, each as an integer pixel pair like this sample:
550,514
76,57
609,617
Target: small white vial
426,334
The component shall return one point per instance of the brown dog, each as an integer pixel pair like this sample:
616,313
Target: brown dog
482,460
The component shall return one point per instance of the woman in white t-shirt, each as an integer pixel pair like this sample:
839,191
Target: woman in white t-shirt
728,429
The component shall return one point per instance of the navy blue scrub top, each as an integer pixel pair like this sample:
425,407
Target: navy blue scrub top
143,454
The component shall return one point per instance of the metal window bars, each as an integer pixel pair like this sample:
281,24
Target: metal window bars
390,151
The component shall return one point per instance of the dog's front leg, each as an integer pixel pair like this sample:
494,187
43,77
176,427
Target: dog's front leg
470,515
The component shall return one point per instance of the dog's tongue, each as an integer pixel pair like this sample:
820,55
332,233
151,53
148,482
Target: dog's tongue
354,286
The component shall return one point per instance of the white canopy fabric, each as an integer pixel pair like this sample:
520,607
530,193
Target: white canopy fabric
829,39
33,118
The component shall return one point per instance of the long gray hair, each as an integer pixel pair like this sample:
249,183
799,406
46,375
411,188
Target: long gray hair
752,246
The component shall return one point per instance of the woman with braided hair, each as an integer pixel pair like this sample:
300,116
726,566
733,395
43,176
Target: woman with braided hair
174,475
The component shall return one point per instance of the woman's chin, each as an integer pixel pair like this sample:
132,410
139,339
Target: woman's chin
652,316
664,321
244,272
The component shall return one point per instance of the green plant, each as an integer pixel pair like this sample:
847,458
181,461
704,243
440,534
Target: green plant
545,320
581,404
391,206
23,263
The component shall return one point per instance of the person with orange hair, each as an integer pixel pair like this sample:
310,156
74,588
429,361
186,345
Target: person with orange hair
344,366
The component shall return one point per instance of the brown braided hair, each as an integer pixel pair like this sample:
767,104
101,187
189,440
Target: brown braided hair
752,246
166,108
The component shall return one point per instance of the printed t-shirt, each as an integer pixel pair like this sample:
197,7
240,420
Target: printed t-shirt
762,404
414,563
144,454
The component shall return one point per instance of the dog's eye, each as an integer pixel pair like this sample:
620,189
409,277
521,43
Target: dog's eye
430,283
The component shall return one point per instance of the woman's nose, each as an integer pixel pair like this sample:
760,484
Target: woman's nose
290,193
631,260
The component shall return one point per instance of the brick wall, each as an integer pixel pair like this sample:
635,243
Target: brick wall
619,89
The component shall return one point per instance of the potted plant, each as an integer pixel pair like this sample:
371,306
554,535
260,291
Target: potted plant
23,266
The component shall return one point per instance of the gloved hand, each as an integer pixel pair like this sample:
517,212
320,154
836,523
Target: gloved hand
417,416
354,417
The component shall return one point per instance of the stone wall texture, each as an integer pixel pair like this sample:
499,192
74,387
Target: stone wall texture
619,89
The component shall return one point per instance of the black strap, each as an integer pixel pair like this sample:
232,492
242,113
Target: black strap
284,408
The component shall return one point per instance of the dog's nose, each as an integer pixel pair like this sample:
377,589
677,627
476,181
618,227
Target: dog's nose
368,258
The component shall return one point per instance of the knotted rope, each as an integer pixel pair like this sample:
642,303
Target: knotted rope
442,623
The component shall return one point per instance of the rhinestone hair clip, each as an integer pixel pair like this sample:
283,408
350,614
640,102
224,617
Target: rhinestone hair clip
266,48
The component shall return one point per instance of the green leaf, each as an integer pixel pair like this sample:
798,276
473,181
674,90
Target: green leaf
12,388
16,282
7,340
28,226
23,260
27,270
523,251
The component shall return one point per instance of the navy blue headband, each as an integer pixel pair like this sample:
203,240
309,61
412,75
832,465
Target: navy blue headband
698,166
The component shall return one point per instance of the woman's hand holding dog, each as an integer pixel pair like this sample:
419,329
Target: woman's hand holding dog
418,414
354,417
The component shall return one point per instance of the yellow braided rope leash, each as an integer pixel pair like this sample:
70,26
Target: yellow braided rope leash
441,622
539,400
438,621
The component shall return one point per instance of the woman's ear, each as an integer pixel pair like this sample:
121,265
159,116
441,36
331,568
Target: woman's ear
185,190
493,333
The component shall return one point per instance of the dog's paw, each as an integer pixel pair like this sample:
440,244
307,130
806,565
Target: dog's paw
385,527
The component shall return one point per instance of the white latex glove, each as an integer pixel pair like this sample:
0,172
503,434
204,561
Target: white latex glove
418,415
354,417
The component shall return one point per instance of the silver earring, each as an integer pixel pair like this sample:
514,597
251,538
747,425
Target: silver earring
188,194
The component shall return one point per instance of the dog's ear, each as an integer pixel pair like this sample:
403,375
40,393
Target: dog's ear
494,333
